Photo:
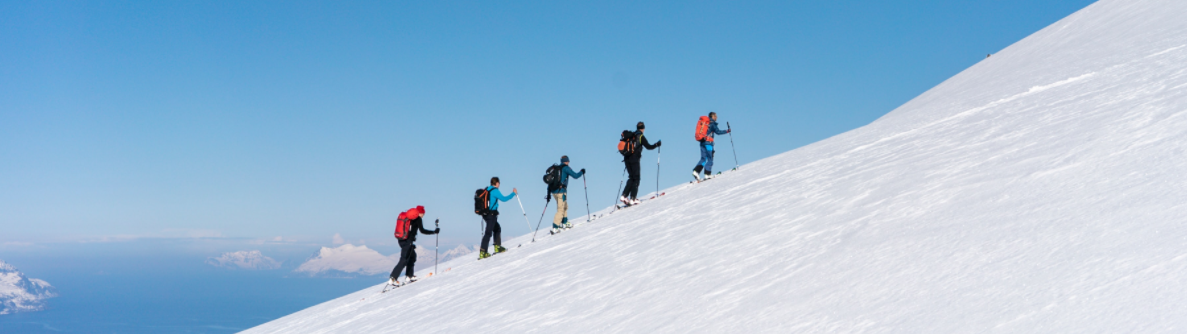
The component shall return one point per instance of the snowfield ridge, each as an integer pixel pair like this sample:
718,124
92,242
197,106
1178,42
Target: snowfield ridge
1042,190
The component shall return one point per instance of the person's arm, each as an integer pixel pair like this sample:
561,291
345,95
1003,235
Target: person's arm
570,173
717,129
419,224
495,193
643,140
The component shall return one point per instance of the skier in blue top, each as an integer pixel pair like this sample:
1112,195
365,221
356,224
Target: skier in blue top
561,220
492,220
706,162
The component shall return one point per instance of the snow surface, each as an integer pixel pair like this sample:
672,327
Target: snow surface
21,294
1041,190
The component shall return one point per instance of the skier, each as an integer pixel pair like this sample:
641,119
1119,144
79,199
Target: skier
631,192
492,219
407,248
706,129
561,196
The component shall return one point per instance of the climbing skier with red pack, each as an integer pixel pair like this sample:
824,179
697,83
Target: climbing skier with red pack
706,129
406,226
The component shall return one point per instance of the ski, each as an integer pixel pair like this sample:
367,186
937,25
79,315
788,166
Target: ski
389,287
707,179
621,205
497,253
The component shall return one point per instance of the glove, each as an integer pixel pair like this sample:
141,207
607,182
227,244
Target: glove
729,130
438,230
658,143
583,171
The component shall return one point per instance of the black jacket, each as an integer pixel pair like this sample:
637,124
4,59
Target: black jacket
640,140
418,224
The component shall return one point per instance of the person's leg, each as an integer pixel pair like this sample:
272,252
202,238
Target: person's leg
498,231
560,209
633,184
707,151
403,260
631,176
704,157
696,171
489,220
411,260
562,206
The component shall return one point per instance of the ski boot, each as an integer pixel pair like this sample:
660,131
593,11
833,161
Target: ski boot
499,249
393,281
483,255
555,229
410,279
565,223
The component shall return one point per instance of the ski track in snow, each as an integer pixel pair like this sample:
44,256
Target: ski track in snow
1041,190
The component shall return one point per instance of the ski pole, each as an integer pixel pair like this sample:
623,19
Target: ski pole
436,244
658,154
525,213
732,149
586,186
546,201
619,187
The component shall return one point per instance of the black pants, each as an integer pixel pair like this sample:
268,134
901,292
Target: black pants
632,182
492,228
407,259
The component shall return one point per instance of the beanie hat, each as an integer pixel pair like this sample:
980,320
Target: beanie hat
564,158
639,126
420,208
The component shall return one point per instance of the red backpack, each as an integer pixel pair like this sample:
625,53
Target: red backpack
403,225
703,129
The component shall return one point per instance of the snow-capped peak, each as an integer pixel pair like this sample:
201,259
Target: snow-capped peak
21,294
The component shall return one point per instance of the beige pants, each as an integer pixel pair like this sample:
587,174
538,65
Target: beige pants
562,208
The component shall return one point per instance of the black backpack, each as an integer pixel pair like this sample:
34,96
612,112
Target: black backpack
482,202
626,145
553,177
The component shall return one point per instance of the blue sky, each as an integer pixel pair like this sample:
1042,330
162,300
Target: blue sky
302,120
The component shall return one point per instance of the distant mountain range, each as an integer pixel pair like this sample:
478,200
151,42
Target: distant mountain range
426,254
349,260
22,294
250,260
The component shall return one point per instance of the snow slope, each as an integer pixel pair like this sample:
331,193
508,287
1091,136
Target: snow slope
1041,190
21,294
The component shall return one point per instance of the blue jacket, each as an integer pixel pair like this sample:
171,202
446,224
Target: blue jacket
712,130
496,196
566,173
